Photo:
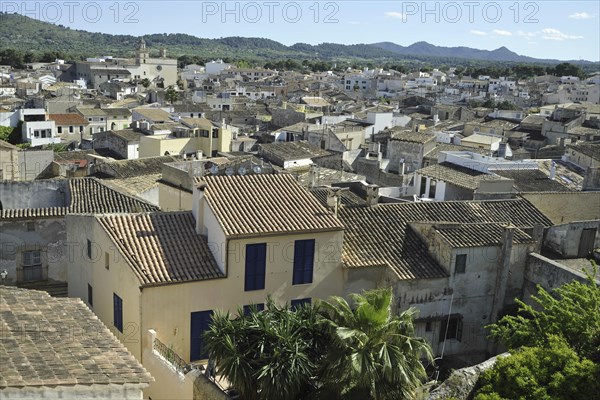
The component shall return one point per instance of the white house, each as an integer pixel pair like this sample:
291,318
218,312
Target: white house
37,129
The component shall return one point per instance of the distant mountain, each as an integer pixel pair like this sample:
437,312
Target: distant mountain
427,49
25,34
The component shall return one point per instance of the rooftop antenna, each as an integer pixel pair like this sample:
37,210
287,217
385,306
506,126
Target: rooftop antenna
242,171
214,169
257,169
229,171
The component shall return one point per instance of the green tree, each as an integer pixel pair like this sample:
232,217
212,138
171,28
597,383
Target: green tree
554,372
572,312
325,351
145,83
5,132
373,353
10,134
171,94
270,354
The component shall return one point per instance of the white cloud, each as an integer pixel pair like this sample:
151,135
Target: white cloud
528,35
502,33
394,14
478,33
555,34
581,15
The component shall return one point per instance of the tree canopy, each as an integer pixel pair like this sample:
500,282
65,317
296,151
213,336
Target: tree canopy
554,345
330,350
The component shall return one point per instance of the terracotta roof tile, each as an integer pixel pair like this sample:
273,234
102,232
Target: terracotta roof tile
49,341
90,195
68,119
266,204
380,235
457,175
162,247
477,235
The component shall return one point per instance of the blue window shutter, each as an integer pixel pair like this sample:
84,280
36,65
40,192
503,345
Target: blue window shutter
261,264
304,257
118,312
256,257
200,323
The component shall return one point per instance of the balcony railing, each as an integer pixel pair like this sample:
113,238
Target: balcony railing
172,357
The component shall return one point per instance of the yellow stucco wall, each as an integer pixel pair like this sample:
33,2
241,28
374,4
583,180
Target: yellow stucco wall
118,278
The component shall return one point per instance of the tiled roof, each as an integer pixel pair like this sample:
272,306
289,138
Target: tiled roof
128,134
91,112
137,167
589,149
118,111
293,150
134,185
48,341
477,235
346,196
68,119
33,213
379,235
153,114
90,195
162,247
266,204
532,180
457,175
411,136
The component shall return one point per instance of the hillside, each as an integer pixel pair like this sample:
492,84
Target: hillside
424,48
27,35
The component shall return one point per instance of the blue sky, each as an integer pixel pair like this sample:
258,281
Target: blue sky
543,29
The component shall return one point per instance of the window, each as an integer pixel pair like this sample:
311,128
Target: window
90,295
106,260
118,312
59,129
258,307
255,266
32,266
461,264
451,328
200,322
432,185
428,326
304,255
89,249
300,302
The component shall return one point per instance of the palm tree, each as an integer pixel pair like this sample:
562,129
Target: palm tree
270,354
373,354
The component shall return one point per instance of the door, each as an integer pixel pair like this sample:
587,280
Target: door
200,322
586,242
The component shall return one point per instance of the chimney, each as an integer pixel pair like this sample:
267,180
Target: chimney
538,236
372,195
312,175
198,207
333,199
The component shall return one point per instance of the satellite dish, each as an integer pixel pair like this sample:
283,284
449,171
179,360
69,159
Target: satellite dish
229,171
242,171
256,169
214,169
